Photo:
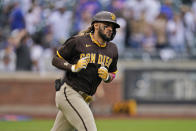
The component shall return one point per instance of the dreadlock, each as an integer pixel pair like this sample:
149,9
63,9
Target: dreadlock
87,31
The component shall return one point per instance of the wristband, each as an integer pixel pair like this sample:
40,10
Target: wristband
73,68
113,75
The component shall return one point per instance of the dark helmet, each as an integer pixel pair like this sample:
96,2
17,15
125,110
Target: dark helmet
105,16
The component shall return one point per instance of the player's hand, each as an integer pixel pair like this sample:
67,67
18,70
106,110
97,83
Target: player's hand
81,64
103,73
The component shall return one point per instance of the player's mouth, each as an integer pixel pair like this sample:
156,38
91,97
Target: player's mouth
109,34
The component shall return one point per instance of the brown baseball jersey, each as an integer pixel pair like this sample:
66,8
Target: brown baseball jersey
87,80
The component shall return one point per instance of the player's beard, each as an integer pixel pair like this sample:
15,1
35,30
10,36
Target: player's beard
103,36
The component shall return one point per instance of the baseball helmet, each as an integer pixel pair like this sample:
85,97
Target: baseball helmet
105,16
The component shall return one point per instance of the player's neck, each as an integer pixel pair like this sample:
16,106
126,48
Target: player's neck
98,39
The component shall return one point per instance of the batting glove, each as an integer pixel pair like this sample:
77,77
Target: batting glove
103,73
81,64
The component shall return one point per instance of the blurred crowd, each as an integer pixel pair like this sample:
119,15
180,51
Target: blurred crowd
32,30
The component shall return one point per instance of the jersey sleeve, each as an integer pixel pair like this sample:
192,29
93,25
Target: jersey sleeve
113,66
67,50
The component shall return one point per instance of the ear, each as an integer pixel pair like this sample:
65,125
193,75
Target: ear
96,26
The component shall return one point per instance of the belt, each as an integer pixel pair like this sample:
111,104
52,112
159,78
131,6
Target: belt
84,95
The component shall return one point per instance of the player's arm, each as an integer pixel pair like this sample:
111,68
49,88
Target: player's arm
59,62
65,54
111,76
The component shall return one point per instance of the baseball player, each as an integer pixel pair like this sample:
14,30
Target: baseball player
87,58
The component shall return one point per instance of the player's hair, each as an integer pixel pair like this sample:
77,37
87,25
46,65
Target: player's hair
91,29
87,31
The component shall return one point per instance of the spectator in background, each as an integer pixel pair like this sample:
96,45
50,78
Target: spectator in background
176,34
190,27
33,18
60,22
22,46
7,58
159,27
42,51
90,6
36,52
17,20
152,10
137,6
136,31
3,15
54,21
26,5
93,6
116,6
85,20
120,36
128,15
194,7
166,9
149,40
1,39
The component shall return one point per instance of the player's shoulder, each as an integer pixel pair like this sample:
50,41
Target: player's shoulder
75,39
112,45
79,38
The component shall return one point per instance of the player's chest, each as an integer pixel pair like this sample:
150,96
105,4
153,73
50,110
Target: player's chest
97,55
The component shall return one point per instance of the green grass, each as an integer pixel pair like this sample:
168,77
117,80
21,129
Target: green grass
108,125
147,125
32,125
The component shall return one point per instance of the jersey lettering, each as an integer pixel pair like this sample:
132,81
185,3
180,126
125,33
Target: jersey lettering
108,62
88,55
82,55
92,60
101,58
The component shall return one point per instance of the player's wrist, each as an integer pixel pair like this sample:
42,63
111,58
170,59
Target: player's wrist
73,68
108,79
67,65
